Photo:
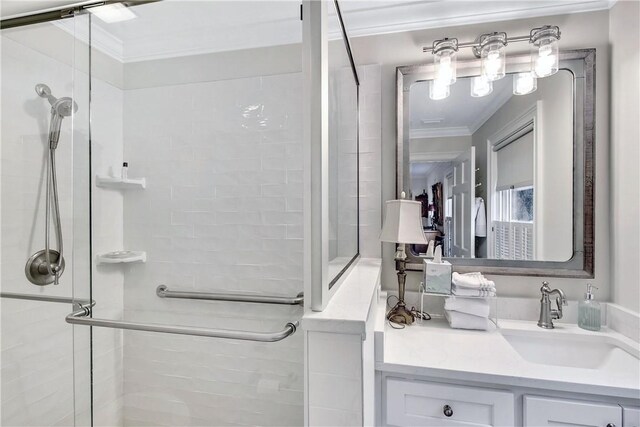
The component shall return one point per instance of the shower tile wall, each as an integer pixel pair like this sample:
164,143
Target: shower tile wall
107,218
37,344
37,352
222,212
370,134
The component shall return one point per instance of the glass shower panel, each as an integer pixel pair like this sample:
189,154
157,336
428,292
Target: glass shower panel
343,149
40,351
203,101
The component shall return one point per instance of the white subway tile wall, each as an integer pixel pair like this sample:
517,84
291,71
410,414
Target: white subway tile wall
37,344
370,133
222,212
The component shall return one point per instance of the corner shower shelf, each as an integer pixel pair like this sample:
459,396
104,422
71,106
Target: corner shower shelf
122,257
120,183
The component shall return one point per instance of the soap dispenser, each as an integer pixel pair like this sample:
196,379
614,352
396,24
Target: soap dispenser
589,311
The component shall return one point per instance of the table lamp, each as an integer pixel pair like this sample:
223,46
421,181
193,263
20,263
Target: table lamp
402,225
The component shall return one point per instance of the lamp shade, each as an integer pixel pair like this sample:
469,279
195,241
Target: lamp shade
403,223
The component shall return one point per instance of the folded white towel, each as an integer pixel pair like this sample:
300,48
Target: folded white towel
471,281
476,306
466,292
459,320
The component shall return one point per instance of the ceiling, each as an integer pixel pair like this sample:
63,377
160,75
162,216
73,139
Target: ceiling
168,28
458,115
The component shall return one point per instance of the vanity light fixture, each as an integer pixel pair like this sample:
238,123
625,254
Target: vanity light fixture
480,86
444,59
524,83
490,48
544,61
492,55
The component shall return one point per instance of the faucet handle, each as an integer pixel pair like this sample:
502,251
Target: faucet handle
545,289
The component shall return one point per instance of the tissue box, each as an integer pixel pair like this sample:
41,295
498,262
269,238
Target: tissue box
437,277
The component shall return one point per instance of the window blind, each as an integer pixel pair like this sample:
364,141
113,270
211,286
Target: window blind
515,163
513,240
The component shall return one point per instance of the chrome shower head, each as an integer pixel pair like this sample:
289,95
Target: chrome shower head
60,108
65,106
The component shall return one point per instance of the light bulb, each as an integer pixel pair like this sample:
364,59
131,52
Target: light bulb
492,54
524,83
444,60
545,58
546,62
480,86
438,90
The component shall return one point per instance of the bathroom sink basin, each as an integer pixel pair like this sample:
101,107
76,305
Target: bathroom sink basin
573,350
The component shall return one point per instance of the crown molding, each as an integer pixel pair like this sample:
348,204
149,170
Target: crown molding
363,18
101,40
436,156
391,17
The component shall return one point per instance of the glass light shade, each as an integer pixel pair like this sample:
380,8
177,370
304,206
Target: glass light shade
545,58
445,66
524,83
438,90
480,87
493,62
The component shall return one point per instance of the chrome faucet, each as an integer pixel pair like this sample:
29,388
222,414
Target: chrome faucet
548,314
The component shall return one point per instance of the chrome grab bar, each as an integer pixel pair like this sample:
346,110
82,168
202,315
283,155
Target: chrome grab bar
81,317
48,298
163,292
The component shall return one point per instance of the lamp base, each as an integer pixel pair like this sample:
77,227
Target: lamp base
400,314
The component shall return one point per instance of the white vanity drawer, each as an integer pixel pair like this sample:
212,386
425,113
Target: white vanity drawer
545,411
417,403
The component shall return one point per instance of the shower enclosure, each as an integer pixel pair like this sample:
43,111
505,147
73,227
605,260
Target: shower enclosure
152,211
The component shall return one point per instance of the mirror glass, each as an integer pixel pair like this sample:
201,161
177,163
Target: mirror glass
494,173
343,153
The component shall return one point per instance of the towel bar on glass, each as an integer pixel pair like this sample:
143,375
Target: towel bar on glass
48,298
163,292
81,317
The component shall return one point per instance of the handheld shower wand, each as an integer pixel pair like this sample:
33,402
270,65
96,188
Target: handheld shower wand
46,266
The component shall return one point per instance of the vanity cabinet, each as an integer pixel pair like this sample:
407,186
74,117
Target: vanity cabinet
418,403
543,411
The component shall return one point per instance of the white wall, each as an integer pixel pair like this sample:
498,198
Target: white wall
442,144
582,30
624,37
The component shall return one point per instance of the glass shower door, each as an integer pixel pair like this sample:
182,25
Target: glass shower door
45,362
203,101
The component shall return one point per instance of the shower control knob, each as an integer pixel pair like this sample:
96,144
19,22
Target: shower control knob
448,411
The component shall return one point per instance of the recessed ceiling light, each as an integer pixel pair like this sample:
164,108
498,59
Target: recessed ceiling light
113,12
432,121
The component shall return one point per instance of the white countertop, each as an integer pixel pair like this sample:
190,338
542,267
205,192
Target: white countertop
433,349
349,309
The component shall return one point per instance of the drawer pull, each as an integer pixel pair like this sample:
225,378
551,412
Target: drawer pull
449,412
611,425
